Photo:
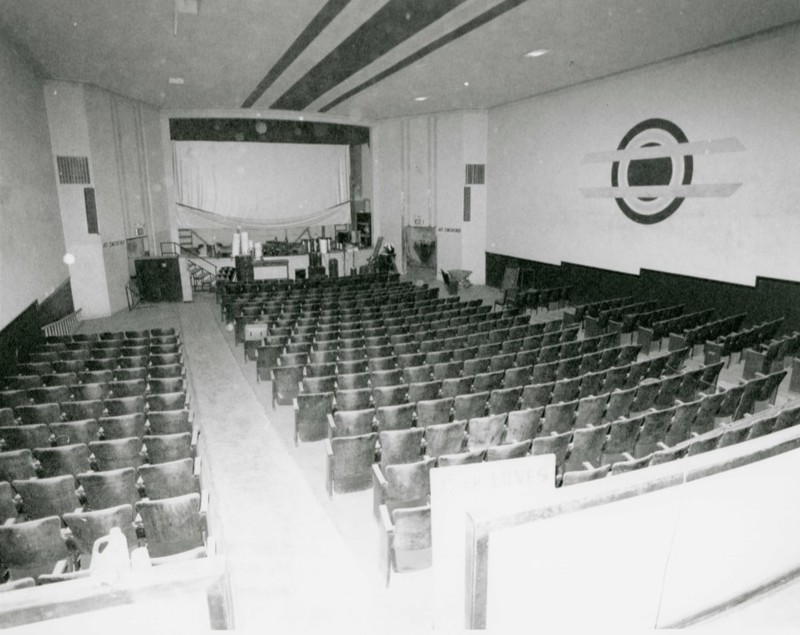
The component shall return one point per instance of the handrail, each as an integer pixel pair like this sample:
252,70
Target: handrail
194,233
188,254
64,326
132,296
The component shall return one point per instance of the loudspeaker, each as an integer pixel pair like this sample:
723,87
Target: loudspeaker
299,274
333,268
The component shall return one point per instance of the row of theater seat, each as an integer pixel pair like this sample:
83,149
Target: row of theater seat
351,416
414,314
352,299
488,373
583,454
116,461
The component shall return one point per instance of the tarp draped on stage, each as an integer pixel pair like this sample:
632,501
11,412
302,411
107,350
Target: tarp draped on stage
261,185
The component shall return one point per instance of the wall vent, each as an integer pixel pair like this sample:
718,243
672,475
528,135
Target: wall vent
476,173
91,210
73,170
467,205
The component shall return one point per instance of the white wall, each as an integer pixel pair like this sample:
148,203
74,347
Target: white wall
31,237
121,138
749,91
419,167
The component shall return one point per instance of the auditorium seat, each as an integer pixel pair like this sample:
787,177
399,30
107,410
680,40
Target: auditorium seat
390,377
122,426
346,423
454,386
64,459
177,400
401,485
349,462
162,448
117,453
22,437
565,389
123,406
8,507
582,476
461,458
559,417
470,406
29,549
109,488
51,496
445,438
522,425
630,464
285,385
586,447
174,525
397,417
667,453
556,444
39,413
90,391
483,432
169,479
311,410
515,450
400,446
681,426
590,410
87,527
706,415
17,465
504,400
622,436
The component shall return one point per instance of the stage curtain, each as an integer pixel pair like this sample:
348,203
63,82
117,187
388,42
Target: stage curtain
261,185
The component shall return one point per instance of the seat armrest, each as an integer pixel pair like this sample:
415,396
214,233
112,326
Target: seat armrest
197,465
385,542
296,409
332,432
628,456
662,445
329,467
379,485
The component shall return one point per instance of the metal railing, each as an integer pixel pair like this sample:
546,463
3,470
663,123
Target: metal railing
133,296
65,326
178,250
193,234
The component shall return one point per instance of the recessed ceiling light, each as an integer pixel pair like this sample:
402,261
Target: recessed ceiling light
537,53
420,98
176,80
466,83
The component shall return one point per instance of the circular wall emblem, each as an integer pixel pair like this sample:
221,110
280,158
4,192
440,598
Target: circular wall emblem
676,170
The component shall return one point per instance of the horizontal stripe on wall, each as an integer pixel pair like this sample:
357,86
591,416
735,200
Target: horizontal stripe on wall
770,298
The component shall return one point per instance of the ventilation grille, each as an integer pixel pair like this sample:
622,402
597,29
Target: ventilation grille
476,173
73,170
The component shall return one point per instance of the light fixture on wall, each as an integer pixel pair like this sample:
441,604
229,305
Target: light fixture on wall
189,7
420,98
261,127
536,53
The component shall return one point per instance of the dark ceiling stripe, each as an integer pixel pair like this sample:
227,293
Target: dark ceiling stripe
392,24
491,14
323,18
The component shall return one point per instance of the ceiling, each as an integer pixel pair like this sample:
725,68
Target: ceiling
367,59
